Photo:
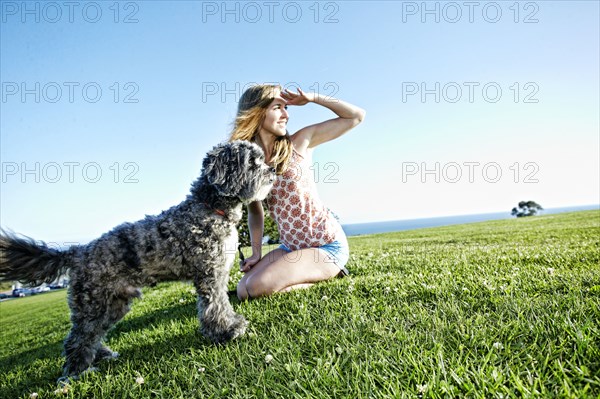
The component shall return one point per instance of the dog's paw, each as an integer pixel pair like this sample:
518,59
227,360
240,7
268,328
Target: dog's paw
68,379
105,353
236,327
64,380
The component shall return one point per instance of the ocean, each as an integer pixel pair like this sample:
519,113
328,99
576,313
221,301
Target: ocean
411,224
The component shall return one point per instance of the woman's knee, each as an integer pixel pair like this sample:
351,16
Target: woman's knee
251,287
259,285
242,292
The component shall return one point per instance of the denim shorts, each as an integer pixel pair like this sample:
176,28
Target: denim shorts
338,252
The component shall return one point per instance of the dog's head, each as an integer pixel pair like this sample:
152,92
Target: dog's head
238,169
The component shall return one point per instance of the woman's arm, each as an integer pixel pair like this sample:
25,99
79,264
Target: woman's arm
311,136
256,220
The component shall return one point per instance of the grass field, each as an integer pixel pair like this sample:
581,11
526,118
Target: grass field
487,310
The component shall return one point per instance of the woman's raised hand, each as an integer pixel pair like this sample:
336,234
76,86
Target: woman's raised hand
299,98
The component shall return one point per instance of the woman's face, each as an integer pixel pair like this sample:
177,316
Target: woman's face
276,117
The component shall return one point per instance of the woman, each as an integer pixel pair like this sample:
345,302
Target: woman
313,244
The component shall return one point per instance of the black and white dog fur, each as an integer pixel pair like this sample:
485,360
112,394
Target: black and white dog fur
195,240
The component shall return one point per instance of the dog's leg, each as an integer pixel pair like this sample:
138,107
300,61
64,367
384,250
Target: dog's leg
80,347
92,316
118,309
218,321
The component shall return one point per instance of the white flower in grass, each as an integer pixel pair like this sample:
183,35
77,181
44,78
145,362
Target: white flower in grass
33,395
181,300
498,345
139,380
339,350
421,389
201,369
324,298
495,374
268,358
550,271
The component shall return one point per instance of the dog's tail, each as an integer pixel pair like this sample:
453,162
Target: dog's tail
23,259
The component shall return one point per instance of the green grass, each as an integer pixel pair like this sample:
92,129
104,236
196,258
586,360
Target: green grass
487,310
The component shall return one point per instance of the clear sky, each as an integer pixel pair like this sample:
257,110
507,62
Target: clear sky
108,107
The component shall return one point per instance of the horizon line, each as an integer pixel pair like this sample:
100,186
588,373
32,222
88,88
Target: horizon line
469,214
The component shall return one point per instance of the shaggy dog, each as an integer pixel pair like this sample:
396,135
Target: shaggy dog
195,240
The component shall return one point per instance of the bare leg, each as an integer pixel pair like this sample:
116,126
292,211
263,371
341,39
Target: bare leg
279,271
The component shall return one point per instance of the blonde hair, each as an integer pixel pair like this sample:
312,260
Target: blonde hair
252,109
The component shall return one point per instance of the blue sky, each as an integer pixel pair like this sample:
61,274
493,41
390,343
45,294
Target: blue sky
107,108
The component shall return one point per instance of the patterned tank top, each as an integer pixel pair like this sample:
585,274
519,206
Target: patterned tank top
302,219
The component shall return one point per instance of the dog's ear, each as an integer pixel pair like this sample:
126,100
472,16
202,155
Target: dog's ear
217,168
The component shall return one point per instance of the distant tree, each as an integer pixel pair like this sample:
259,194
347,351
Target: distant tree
526,208
270,229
